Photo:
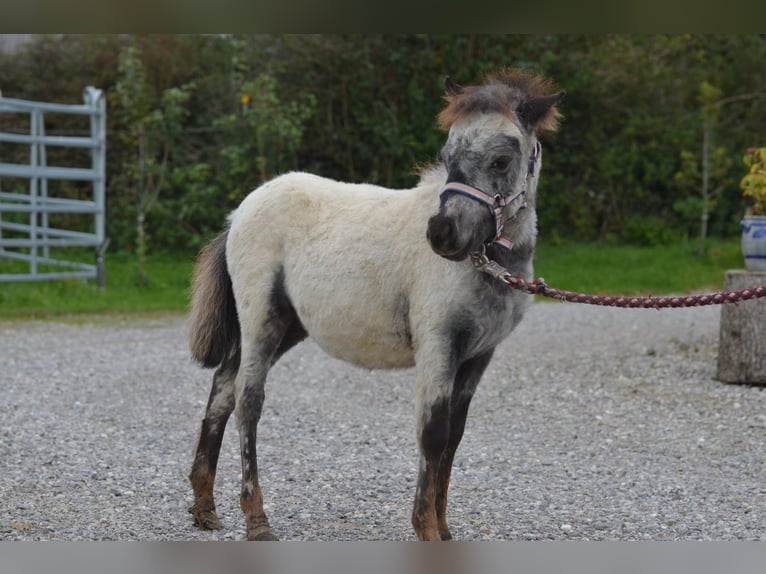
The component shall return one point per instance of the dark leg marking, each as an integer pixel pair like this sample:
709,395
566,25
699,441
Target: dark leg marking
202,476
283,314
281,331
466,381
251,499
433,440
294,335
403,328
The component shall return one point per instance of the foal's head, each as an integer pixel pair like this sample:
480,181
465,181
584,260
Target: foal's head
493,131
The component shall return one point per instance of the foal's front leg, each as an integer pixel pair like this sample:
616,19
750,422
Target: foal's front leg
436,371
466,381
444,395
433,434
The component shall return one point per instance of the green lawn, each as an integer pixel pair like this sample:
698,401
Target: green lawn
166,291
631,270
593,268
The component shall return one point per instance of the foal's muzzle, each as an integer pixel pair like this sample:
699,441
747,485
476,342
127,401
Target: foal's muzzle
498,206
442,234
449,241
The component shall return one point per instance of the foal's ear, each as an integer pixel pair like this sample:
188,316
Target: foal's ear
452,87
540,113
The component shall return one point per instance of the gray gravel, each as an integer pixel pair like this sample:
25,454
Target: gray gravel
590,424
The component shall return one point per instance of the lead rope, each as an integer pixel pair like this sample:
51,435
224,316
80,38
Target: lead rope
539,287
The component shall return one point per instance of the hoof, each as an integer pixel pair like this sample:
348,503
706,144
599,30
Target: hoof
205,519
430,535
445,534
261,533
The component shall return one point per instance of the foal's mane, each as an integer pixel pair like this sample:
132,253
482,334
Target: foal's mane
502,92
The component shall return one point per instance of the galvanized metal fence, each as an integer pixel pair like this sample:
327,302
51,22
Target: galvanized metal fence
29,238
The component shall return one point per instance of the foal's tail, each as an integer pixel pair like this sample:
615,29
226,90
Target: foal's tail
214,335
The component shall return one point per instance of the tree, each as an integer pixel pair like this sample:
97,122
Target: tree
152,130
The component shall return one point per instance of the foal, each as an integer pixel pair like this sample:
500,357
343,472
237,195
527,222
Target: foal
377,277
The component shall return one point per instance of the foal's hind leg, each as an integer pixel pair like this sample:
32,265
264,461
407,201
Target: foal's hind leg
250,397
279,329
219,407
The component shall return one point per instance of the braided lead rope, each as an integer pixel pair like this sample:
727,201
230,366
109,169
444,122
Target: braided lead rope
539,287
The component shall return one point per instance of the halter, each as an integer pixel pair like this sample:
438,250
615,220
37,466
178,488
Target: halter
496,203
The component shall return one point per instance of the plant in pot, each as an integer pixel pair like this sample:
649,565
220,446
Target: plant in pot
753,186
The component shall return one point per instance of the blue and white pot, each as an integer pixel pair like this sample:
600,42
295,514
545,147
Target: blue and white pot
754,242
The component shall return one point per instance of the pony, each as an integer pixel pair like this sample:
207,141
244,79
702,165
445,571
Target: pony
380,278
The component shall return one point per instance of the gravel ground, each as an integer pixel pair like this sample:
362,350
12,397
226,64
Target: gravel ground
590,424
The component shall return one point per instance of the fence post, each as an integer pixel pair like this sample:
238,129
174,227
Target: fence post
742,344
95,98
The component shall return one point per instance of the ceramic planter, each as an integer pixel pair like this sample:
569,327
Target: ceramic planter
754,242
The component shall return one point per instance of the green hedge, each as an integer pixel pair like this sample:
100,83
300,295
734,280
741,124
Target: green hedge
625,166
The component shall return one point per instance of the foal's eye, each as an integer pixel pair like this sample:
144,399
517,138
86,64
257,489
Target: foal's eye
501,163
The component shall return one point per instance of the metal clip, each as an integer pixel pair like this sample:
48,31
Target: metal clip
486,265
479,258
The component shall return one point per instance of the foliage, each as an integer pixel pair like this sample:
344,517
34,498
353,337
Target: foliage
262,137
152,131
689,176
754,183
218,114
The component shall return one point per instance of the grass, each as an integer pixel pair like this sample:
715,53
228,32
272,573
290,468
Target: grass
592,268
166,291
631,270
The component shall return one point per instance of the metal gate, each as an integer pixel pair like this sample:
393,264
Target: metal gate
34,214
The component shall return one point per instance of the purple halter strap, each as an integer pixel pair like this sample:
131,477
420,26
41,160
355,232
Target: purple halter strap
496,203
